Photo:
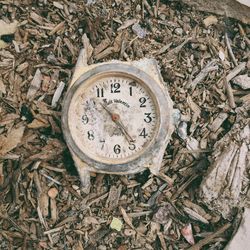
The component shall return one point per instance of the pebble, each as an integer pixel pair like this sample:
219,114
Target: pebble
178,31
52,193
202,47
116,224
210,20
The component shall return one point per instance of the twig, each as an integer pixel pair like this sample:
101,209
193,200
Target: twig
177,49
209,238
42,172
44,223
230,49
236,71
148,7
154,196
243,33
229,93
156,7
201,76
166,178
98,199
184,186
139,214
163,49
54,230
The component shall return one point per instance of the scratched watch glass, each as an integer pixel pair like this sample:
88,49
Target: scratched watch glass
113,118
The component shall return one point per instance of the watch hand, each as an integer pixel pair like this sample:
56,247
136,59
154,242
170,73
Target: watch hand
119,122
116,119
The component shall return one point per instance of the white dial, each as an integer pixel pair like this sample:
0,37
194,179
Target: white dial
113,118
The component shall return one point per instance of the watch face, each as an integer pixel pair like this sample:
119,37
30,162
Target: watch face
113,117
117,118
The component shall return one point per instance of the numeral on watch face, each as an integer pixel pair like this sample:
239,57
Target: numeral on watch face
143,133
85,119
117,149
148,117
99,92
115,88
142,101
131,146
91,136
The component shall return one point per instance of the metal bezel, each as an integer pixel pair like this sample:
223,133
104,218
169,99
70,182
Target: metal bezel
157,91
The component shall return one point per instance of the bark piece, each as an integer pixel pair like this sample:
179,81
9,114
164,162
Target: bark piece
230,8
222,188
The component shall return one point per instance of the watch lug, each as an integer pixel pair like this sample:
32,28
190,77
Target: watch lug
83,172
155,164
80,66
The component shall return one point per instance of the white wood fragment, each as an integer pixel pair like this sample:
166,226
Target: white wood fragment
236,71
243,81
2,87
222,187
126,24
241,238
35,85
57,94
193,145
211,66
218,121
58,5
194,215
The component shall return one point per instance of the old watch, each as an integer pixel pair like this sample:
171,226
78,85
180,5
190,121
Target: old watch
117,117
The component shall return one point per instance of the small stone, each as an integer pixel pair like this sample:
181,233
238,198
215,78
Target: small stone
182,130
178,31
75,187
129,232
138,8
210,20
139,31
243,45
52,193
116,224
162,16
186,19
202,47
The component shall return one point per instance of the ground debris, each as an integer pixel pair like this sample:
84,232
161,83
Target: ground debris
43,204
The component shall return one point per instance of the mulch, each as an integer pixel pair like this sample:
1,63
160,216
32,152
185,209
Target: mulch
42,203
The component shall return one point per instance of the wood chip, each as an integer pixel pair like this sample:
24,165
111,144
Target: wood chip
35,85
9,142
